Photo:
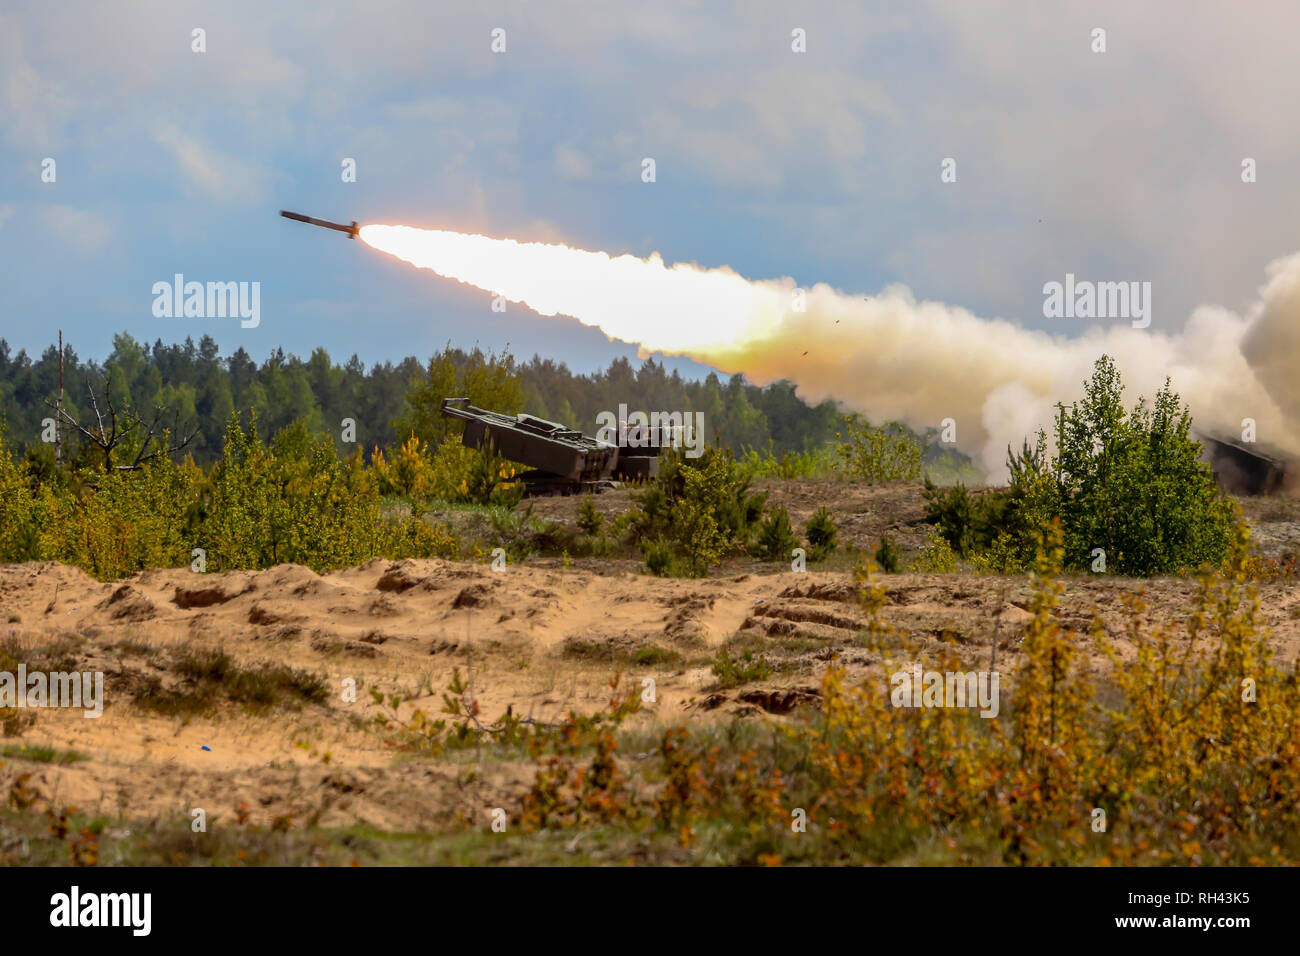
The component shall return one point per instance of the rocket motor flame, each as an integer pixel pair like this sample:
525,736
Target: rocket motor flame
679,309
890,356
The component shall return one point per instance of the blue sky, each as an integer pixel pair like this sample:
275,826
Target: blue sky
823,166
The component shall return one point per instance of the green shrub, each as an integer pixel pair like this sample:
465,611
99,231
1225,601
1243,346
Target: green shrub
410,473
952,512
875,455
415,537
654,505
970,523
491,480
776,539
889,555
695,520
789,465
724,488
126,522
1130,483
658,556
1133,485
937,556
821,534
20,509
1001,557
702,506
623,526
732,672
294,500
590,521
206,673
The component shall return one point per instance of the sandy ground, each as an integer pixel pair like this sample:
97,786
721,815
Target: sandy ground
538,638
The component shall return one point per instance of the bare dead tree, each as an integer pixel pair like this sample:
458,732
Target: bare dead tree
58,434
121,427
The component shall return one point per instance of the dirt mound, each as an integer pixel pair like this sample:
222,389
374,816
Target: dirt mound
128,604
537,640
203,595
399,577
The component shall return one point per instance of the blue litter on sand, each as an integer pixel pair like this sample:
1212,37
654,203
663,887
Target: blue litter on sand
206,747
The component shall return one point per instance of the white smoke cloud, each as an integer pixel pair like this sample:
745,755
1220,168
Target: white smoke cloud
894,358
890,356
1272,343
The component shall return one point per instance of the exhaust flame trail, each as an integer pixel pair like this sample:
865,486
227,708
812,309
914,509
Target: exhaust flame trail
679,309
890,356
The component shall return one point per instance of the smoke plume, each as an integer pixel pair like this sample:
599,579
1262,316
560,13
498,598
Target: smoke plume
888,355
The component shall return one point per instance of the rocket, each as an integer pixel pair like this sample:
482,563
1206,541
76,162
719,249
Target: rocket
351,230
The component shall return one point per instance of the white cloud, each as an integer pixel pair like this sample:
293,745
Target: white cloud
214,174
31,108
572,163
85,230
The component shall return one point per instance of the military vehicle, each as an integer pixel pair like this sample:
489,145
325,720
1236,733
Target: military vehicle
1247,469
563,461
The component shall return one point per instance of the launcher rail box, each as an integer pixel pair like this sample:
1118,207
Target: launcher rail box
563,461
1243,470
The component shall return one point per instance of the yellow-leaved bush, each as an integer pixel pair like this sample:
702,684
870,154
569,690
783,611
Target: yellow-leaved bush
293,500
